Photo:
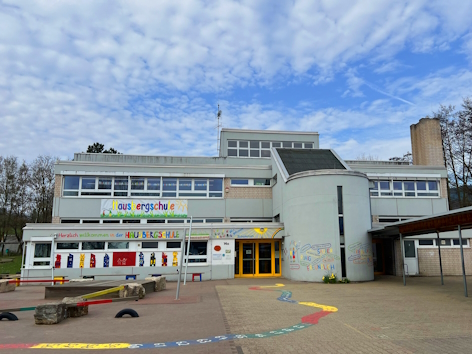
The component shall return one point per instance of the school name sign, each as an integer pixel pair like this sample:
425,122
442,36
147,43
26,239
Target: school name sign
143,208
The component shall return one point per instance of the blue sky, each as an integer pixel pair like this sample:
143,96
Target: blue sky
145,77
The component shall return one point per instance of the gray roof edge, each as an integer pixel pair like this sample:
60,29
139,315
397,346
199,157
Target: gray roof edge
280,164
341,160
311,173
268,131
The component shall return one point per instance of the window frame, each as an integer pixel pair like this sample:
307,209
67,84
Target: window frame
377,192
251,182
235,150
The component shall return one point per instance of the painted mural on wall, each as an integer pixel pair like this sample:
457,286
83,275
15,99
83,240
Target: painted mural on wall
57,263
70,260
174,259
82,260
246,233
313,257
141,259
92,261
164,259
153,260
361,253
142,208
106,261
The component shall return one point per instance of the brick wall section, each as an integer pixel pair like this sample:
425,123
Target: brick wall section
428,261
246,192
56,220
58,186
426,142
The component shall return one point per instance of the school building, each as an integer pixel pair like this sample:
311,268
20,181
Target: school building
271,204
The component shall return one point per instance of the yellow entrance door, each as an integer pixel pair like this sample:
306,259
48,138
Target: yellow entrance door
258,258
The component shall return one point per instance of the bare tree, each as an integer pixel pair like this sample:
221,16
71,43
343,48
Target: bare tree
42,185
364,157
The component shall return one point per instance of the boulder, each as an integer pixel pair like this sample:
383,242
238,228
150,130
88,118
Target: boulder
6,286
75,311
132,289
80,280
51,313
159,283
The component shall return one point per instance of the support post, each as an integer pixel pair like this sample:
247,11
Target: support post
180,267
188,249
22,260
403,259
440,261
52,260
462,260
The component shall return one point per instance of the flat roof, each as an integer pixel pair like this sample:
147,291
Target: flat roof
268,131
447,221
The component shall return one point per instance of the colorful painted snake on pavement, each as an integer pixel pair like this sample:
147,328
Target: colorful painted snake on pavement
286,296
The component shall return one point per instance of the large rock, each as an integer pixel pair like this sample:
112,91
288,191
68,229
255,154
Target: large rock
75,311
6,286
132,289
159,283
51,313
80,280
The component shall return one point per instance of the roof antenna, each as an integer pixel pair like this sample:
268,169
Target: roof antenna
218,126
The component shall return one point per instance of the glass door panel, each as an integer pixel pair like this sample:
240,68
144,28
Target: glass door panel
265,258
248,258
277,257
236,258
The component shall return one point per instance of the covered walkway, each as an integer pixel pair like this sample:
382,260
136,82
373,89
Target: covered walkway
455,220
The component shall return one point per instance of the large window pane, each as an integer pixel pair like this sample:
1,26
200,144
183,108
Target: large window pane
185,184
384,185
118,245
137,183
308,146
243,144
169,184
276,144
104,183
232,143
42,250
254,145
232,152
421,185
426,242
433,185
298,145
153,184
121,183
409,188
149,244
243,153
240,182
397,185
265,144
254,153
197,248
172,244
444,242
287,144
67,246
410,249
93,245
200,184
216,184
265,153
88,183
71,182
262,181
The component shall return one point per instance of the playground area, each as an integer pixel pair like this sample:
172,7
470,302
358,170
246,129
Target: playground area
259,316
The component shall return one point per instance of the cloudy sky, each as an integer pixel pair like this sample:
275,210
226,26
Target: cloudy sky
145,77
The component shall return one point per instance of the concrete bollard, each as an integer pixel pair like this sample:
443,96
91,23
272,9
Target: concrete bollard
132,289
159,283
75,311
51,313
6,286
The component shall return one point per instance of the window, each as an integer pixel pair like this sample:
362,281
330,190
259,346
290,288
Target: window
444,242
121,187
465,242
153,184
172,244
93,246
213,220
177,221
426,242
185,184
243,144
131,221
257,149
255,153
262,181
154,221
118,245
385,188
71,186
70,221
42,250
150,244
104,183
286,144
243,153
88,183
276,145
239,182
200,184
90,221
169,187
197,251
265,144
232,143
308,146
111,221
298,145
232,152
137,183
254,145
216,187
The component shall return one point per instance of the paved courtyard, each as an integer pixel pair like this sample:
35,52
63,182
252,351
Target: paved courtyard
256,316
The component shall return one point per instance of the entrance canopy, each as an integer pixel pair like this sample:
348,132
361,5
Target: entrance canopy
448,221
458,219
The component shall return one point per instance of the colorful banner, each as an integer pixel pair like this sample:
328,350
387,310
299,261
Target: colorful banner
142,208
247,233
153,234
124,259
